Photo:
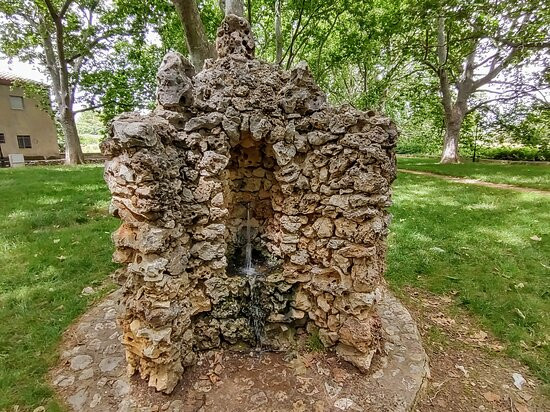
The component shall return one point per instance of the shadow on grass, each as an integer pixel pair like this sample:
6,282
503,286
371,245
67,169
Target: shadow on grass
478,243
54,241
534,175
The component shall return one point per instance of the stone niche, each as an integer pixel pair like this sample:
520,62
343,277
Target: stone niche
244,153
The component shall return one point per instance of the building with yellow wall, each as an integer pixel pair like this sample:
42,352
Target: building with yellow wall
25,127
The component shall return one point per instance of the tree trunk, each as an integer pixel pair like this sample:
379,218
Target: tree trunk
57,68
198,45
73,150
454,114
235,7
450,146
453,124
278,33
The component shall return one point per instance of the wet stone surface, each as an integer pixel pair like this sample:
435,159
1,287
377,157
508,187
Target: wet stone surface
226,380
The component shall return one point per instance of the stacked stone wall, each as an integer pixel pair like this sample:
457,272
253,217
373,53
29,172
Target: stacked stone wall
245,137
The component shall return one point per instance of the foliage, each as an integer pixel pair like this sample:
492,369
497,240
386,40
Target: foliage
314,343
515,153
91,131
525,126
125,80
90,123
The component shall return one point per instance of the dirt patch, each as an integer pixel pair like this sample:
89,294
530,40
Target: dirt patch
477,182
255,381
91,375
469,371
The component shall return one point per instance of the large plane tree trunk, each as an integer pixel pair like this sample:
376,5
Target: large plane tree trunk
73,150
453,125
198,45
57,66
235,7
454,111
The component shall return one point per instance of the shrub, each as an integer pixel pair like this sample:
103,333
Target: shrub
515,153
415,147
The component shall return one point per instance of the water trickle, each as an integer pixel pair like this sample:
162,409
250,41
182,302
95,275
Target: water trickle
256,312
248,268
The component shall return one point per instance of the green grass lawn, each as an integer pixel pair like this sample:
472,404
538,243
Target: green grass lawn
478,243
474,241
54,241
534,175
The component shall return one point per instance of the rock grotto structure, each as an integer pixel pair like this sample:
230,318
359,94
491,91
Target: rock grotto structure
246,161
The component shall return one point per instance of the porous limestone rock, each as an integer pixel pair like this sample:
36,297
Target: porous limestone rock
246,144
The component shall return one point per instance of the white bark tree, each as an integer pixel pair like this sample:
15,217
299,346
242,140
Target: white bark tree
278,32
198,45
64,94
235,7
466,61
67,38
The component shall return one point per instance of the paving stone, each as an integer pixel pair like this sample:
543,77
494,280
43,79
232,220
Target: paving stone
176,406
110,314
102,382
108,364
95,400
94,344
63,381
80,362
78,400
127,405
111,349
86,374
71,352
121,388
114,335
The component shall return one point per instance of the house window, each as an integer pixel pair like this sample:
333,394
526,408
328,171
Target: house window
16,102
2,138
24,142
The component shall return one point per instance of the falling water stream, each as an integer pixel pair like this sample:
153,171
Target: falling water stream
248,268
257,316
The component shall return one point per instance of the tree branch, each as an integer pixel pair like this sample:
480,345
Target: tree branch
543,44
495,69
100,105
51,10
503,99
64,8
293,38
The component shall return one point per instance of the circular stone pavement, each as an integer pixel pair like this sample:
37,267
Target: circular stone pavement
91,375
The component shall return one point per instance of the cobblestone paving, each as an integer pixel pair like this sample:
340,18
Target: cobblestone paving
91,375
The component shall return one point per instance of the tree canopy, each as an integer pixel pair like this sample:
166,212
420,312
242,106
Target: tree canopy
438,68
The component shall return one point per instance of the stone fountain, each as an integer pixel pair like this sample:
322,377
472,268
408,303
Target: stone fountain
252,212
